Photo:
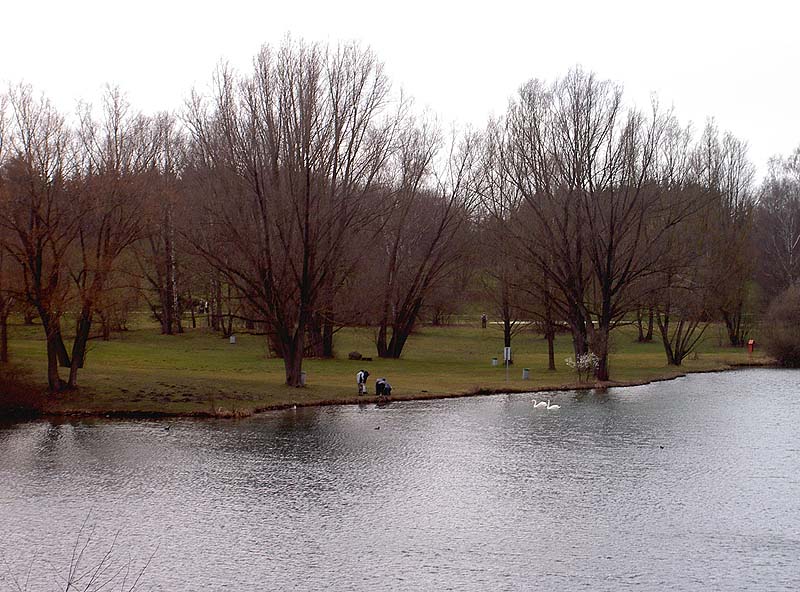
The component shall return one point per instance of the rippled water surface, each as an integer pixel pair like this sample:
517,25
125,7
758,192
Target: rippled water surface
692,484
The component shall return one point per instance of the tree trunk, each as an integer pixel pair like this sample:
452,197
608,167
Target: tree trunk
105,320
293,359
639,325
166,311
172,276
396,344
549,327
327,339
274,345
600,348
649,336
507,336
733,323
551,352
401,330
227,328
663,327
192,307
314,337
216,306
54,382
579,340
82,330
52,329
380,341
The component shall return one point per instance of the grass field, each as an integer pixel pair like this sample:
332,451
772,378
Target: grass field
198,372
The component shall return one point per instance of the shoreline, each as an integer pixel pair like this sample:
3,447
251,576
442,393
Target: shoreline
30,415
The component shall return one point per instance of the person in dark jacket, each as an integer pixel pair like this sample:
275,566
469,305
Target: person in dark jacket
383,388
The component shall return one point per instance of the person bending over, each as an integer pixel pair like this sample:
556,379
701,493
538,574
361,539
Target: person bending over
361,381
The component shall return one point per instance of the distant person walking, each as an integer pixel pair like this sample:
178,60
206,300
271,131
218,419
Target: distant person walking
361,381
483,321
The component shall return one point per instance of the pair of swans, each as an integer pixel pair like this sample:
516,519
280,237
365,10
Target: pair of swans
545,405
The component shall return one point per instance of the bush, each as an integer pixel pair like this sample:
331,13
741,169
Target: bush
585,365
781,328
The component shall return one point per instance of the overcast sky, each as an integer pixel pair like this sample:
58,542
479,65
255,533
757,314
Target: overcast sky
738,62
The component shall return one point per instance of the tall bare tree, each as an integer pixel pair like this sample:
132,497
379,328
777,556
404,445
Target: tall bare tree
159,254
113,157
778,226
424,232
292,154
503,281
584,171
724,170
37,216
683,287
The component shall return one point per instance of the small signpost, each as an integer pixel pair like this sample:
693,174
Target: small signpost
507,359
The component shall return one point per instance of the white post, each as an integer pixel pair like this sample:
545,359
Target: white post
507,359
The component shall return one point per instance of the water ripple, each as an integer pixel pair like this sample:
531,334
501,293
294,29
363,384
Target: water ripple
687,485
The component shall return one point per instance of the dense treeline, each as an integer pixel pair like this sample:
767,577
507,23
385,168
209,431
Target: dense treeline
305,195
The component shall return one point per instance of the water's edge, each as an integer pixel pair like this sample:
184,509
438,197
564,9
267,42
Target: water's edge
361,400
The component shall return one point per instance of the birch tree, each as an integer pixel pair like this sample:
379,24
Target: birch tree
778,226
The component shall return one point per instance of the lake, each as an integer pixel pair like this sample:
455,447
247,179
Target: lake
692,484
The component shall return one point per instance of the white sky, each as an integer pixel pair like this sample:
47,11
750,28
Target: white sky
736,61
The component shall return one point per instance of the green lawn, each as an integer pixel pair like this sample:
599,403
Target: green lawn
199,372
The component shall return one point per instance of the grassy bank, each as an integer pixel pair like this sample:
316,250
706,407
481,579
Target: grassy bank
198,372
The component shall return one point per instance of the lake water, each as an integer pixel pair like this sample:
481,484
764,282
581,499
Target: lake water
692,484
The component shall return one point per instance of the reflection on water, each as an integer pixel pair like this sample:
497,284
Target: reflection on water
686,485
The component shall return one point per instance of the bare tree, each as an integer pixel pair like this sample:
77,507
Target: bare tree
684,284
723,169
778,226
291,153
159,253
505,229
504,281
113,157
90,568
37,215
424,232
584,171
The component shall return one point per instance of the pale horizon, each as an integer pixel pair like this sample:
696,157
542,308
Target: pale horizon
463,63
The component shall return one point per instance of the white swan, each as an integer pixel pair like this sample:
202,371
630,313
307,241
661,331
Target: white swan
549,406
539,404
